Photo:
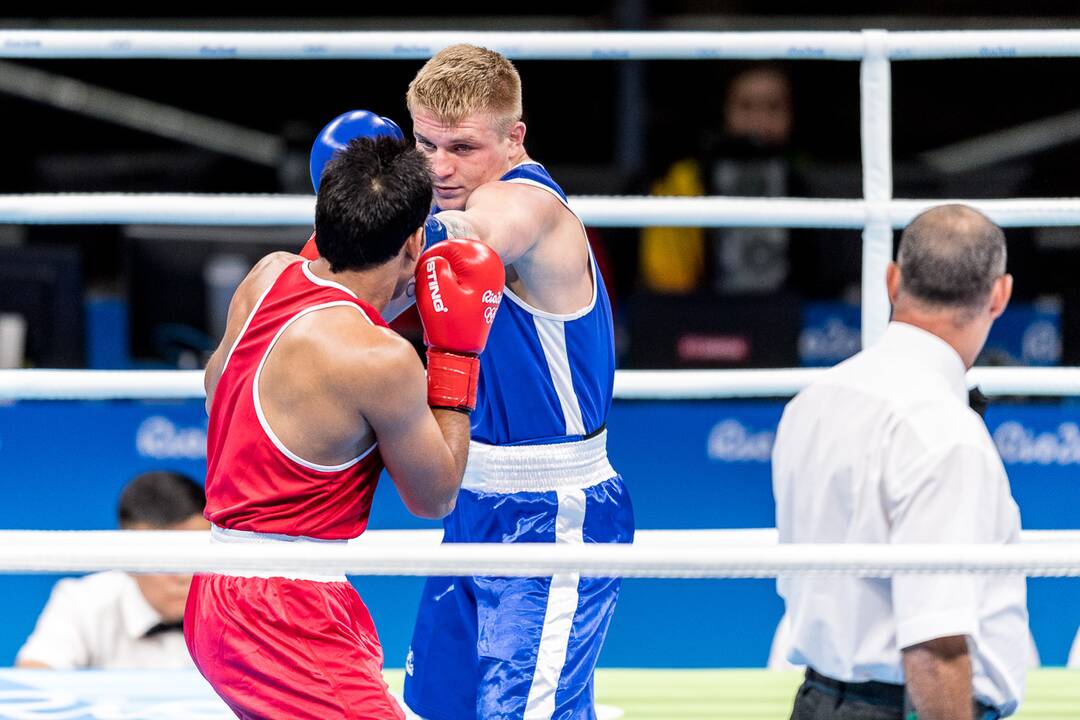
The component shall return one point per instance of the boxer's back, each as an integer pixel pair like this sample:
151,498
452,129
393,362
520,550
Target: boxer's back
257,477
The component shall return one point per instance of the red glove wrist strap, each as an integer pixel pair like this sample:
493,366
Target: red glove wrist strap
452,379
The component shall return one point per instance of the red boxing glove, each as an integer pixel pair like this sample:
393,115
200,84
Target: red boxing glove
458,289
310,251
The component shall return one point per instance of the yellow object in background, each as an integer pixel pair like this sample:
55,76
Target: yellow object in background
672,259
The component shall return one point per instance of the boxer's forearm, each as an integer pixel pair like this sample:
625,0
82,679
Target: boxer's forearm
459,225
455,427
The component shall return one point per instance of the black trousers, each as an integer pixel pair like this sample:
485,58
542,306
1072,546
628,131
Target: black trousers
822,698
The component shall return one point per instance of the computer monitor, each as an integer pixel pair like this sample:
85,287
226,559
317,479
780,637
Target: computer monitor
176,314
44,286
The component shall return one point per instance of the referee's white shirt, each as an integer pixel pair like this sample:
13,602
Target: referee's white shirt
883,448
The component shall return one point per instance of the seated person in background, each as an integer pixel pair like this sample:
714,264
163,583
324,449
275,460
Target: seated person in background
115,620
748,157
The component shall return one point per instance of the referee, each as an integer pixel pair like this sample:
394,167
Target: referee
883,448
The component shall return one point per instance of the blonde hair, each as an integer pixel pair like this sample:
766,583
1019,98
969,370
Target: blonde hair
465,79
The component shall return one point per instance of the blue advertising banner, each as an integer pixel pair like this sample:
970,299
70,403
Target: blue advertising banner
688,464
1026,334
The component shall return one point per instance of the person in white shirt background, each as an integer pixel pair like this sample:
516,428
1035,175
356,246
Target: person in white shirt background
883,448
112,620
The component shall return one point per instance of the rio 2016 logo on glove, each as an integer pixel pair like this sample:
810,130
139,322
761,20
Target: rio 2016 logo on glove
433,287
492,300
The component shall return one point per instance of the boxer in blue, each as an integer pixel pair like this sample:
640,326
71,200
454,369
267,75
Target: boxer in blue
496,647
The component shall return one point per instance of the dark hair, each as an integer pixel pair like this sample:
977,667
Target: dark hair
160,499
951,255
374,193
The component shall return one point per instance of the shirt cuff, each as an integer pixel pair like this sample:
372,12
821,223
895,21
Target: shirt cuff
930,626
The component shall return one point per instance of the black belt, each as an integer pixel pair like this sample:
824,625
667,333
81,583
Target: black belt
871,692
882,694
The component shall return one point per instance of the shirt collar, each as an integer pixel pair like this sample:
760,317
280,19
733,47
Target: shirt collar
926,348
138,615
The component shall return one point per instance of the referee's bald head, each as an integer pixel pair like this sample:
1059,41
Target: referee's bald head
949,258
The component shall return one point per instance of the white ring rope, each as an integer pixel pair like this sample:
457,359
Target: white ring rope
629,384
90,551
161,209
101,384
201,45
420,45
729,537
595,210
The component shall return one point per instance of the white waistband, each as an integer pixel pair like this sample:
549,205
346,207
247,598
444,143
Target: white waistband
229,535
537,468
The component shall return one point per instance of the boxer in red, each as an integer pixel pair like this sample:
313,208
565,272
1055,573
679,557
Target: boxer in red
309,396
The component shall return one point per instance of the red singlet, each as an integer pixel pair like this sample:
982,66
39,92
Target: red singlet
253,481
272,646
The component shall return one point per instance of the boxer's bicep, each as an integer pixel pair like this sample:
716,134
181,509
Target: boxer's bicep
412,443
239,308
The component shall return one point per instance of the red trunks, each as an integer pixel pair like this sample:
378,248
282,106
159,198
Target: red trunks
275,648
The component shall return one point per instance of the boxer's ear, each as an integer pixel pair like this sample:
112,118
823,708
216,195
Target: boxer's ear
414,245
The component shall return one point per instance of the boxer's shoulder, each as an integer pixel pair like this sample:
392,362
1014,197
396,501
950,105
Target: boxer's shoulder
346,331
517,197
275,262
258,280
263,274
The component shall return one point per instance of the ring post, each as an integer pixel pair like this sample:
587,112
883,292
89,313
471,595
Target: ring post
876,100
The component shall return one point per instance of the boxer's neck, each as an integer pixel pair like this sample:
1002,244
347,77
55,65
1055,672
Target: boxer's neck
375,286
